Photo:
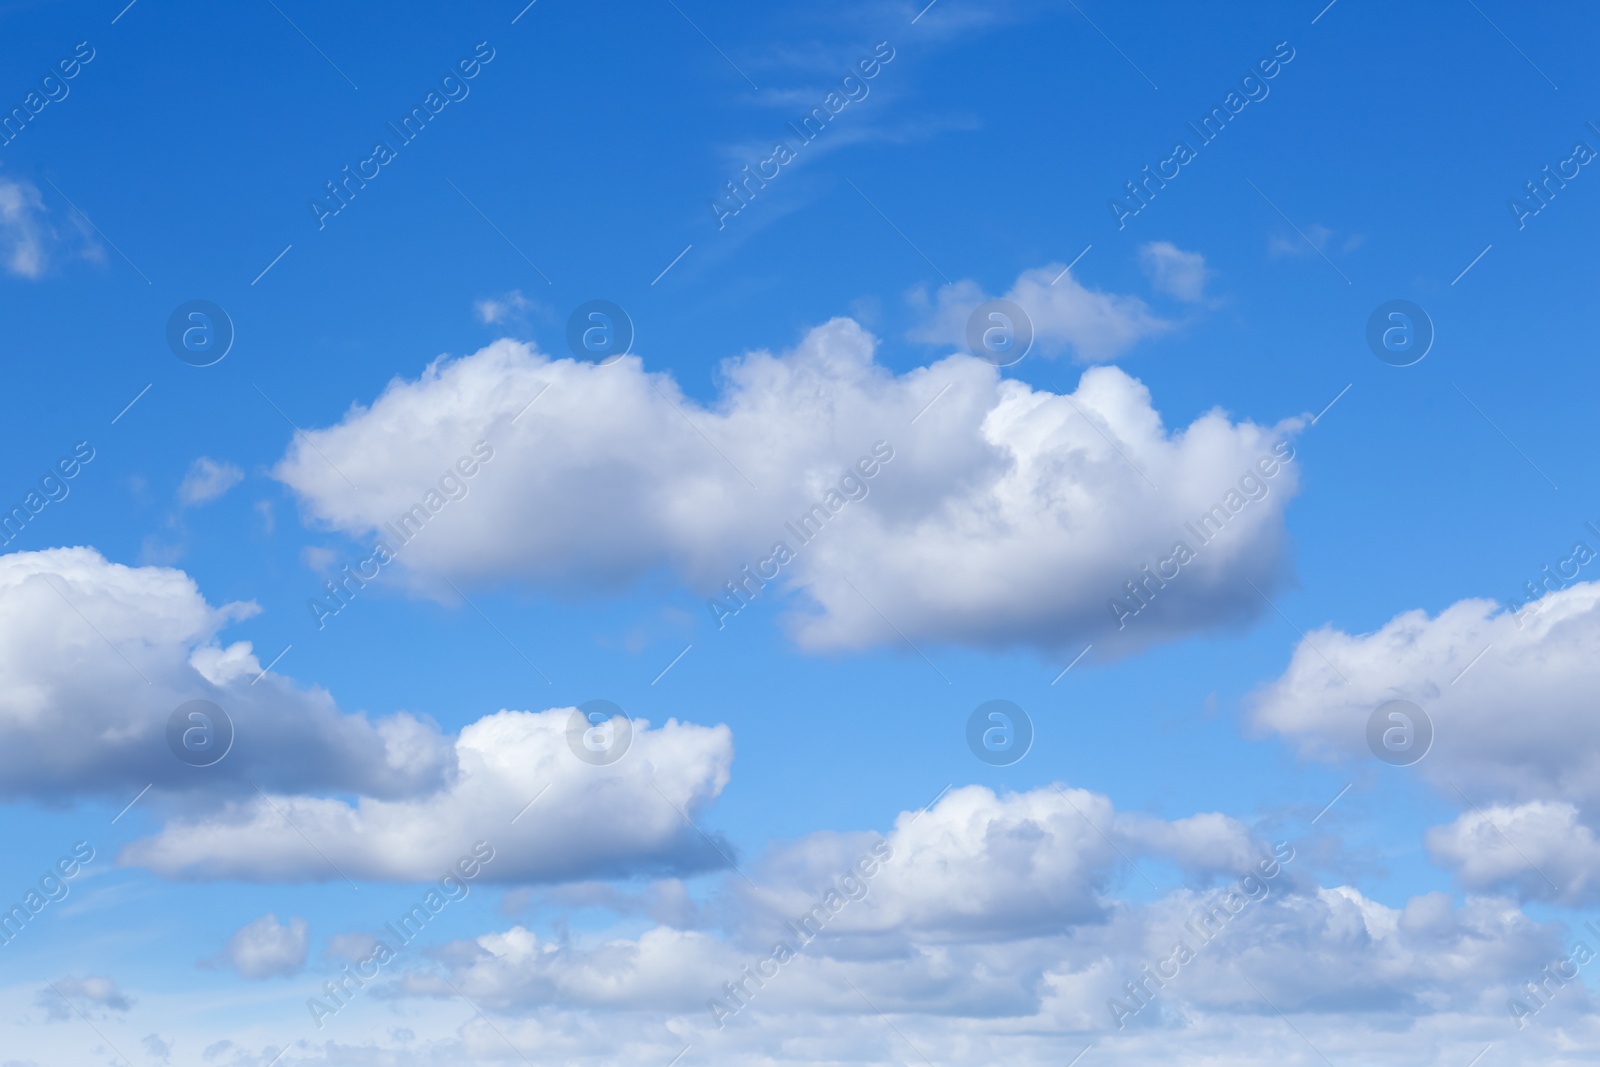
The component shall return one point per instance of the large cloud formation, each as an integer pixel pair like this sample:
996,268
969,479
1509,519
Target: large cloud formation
546,814
1516,740
96,656
1007,516
998,928
985,928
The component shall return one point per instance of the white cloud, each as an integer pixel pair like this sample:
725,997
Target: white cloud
976,878
1066,315
1173,271
1032,509
581,820
95,657
85,703
994,932
973,938
492,310
28,239
1539,850
23,230
983,867
265,948
1515,724
1511,701
207,479
1294,245
92,991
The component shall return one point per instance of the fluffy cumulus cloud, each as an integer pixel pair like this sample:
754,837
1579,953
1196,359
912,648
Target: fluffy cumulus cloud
1510,698
266,948
518,786
96,657
947,503
1516,741
957,908
987,928
1067,316
1538,849
1029,862
996,928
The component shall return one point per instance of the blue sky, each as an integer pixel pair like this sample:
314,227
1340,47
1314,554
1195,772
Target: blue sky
574,153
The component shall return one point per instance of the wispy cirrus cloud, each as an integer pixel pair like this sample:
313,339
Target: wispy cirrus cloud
30,240
206,480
